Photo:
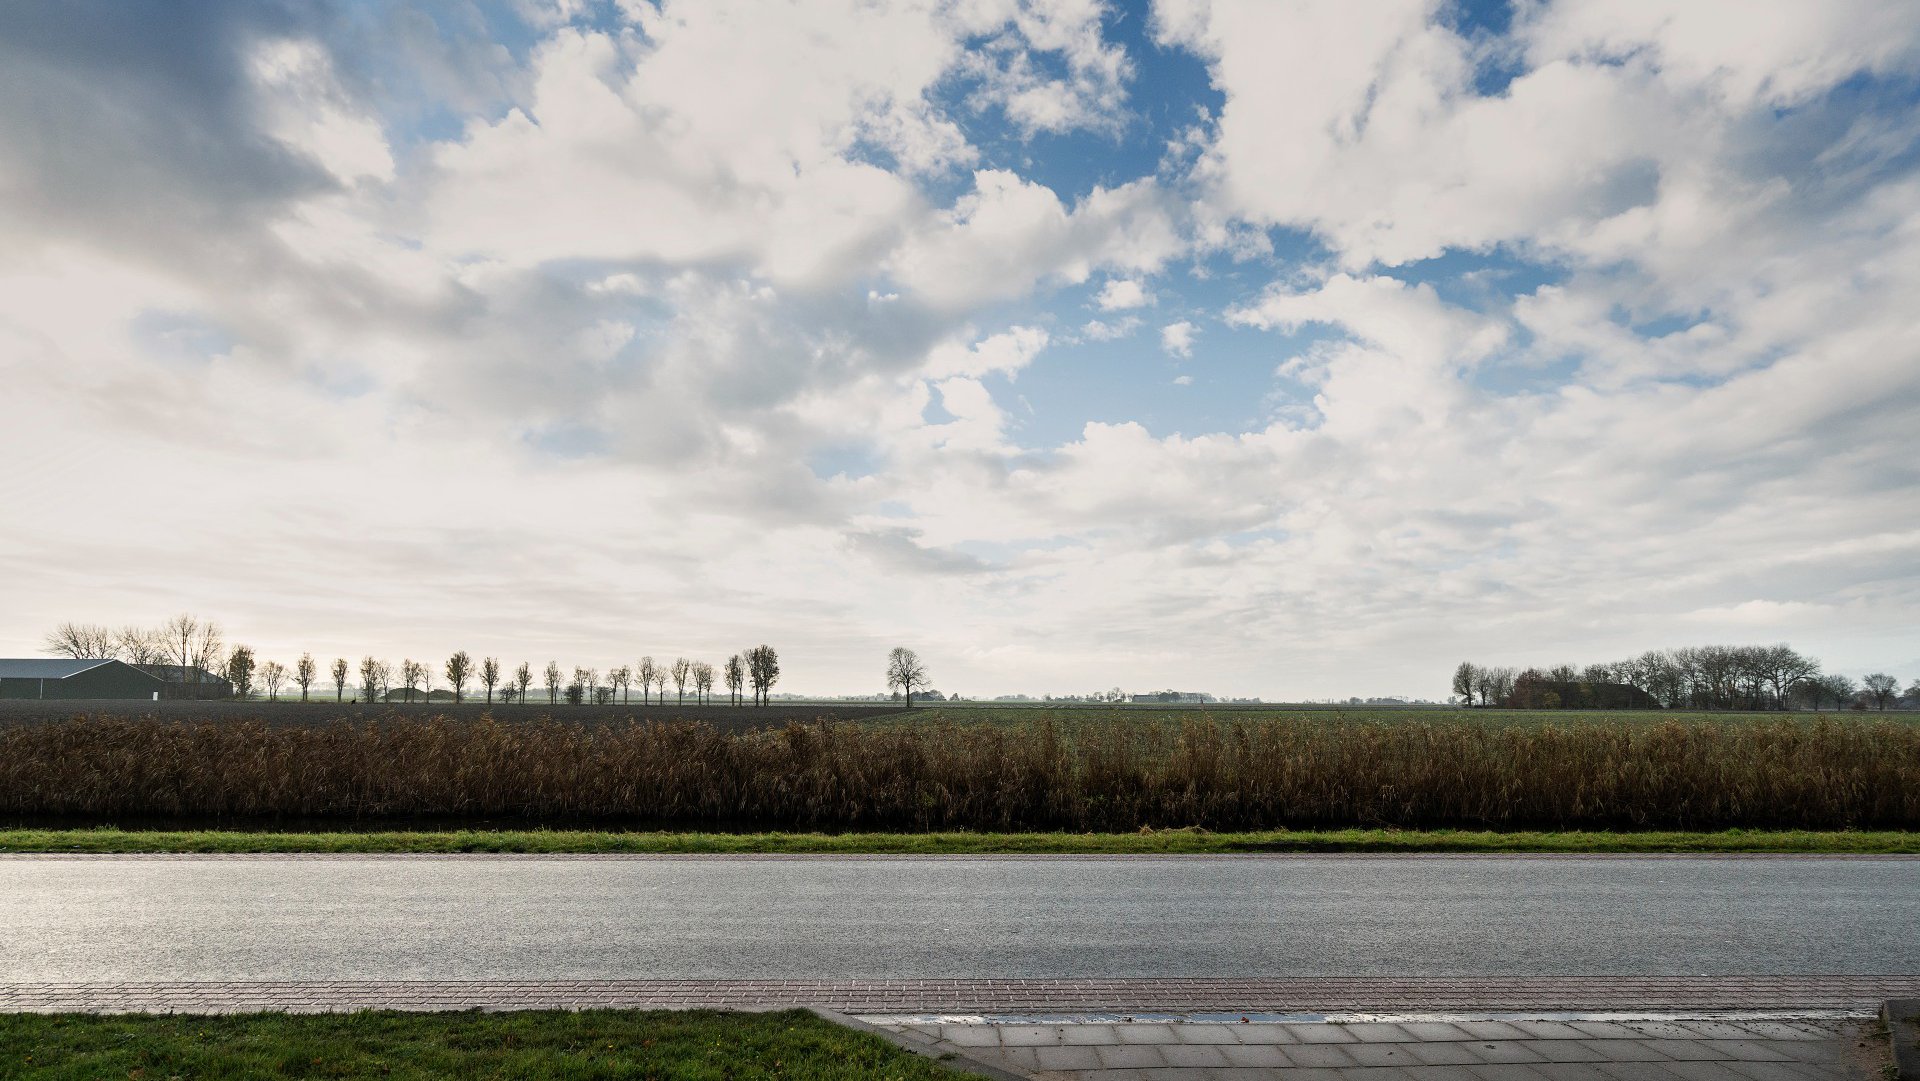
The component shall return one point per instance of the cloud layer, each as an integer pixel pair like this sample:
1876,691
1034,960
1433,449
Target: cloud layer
1237,346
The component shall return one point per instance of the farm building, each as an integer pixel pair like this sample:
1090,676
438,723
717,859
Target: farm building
1171,696
58,677
189,681
401,694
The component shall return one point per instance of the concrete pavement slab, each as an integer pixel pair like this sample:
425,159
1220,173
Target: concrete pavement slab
1449,1049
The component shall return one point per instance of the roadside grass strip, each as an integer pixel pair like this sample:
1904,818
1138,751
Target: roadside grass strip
694,1045
1145,842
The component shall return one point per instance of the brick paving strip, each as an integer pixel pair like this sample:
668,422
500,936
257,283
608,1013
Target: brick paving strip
1410,1049
1312,995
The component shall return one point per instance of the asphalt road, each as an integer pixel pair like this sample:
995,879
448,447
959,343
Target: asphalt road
870,919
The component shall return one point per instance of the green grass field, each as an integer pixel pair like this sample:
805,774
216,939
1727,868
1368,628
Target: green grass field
1157,842
684,1045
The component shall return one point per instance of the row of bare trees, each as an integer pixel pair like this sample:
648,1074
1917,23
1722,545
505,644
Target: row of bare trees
197,646
1691,677
756,669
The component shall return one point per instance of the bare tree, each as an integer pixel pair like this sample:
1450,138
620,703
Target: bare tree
1463,684
1831,687
702,681
181,631
553,683
304,673
411,673
589,680
1881,689
682,668
904,670
81,641
736,676
204,653
1494,684
188,640
1784,668
240,671
459,670
339,679
621,679
490,675
370,678
647,673
140,645
274,675
523,678
763,669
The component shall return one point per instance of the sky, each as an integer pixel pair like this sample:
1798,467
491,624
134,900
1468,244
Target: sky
1289,350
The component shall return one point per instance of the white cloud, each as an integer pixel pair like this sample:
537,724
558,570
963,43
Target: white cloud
1097,330
1370,132
1177,338
1005,353
653,153
1010,234
1120,294
306,109
1740,53
1408,321
1012,66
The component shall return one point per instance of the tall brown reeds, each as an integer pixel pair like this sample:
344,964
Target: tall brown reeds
1225,775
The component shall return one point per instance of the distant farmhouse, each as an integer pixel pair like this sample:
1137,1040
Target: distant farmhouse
401,694
44,677
1170,696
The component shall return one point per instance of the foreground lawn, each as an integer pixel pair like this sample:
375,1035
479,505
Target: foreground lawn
1143,843
694,1046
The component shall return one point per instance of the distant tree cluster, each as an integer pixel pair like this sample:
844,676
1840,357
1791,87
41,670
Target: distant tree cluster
1773,677
193,646
197,647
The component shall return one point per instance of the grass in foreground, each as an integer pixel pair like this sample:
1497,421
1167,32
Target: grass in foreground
1146,842
690,1045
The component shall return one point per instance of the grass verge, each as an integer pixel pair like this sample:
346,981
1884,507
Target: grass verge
1146,842
691,1045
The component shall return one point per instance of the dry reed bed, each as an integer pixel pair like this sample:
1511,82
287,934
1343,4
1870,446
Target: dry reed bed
1230,775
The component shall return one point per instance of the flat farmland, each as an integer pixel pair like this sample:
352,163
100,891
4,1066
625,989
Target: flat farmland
721,716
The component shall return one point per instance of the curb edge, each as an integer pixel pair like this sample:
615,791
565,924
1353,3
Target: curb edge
1902,1018
951,1059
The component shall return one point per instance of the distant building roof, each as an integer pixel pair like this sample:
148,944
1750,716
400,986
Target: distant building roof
173,673
46,667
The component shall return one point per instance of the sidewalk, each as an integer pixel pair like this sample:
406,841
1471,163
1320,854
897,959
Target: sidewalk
1674,1049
